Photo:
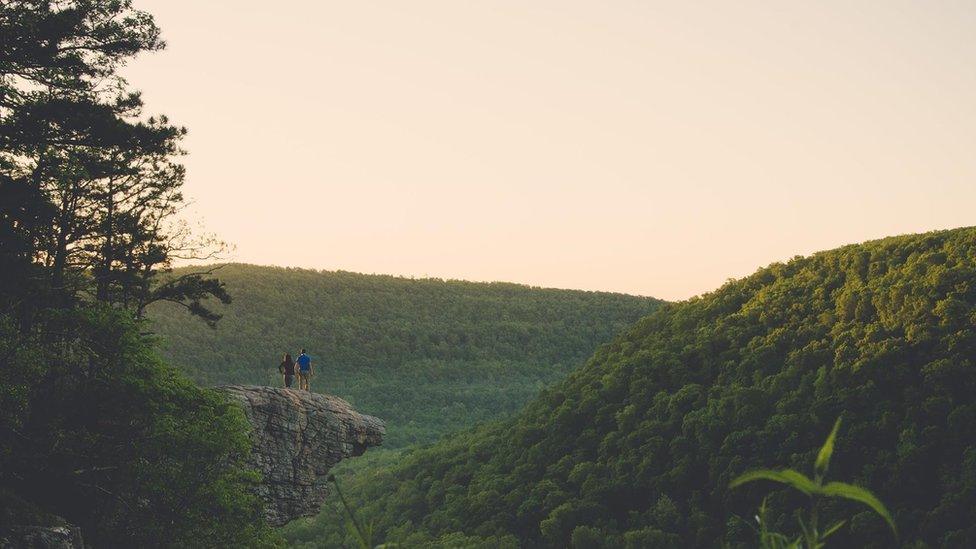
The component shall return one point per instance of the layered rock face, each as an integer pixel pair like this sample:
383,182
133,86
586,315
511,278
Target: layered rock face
297,437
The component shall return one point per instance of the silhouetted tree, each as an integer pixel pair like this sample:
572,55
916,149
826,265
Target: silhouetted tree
101,180
92,426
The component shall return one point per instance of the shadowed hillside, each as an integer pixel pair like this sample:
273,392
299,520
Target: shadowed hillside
636,449
427,356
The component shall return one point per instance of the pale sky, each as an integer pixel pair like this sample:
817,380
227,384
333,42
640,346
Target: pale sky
654,148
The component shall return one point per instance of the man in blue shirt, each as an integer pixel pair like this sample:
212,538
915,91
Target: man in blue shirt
304,370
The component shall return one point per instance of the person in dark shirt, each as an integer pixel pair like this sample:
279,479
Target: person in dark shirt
304,370
287,369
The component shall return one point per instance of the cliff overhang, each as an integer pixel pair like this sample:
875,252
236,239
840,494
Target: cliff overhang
297,437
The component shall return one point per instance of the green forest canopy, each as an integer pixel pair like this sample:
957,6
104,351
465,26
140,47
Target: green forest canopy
636,449
428,356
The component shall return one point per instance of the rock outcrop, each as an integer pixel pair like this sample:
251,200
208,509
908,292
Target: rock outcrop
40,537
297,437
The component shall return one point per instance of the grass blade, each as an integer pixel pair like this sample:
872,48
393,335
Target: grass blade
836,526
856,493
823,456
789,477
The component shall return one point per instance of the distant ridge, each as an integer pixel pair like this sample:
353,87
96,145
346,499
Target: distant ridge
429,356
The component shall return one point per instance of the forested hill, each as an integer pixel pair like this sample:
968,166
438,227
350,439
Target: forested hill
637,448
426,355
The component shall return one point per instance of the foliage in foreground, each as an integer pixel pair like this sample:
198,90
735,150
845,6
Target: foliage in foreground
94,429
116,442
812,535
637,448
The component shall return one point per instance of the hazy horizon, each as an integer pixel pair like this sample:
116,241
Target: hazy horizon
646,148
485,281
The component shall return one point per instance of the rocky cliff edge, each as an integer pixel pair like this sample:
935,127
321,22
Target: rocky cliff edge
297,437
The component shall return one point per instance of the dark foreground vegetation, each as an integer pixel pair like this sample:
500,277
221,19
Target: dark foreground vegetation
638,447
94,428
427,356
635,449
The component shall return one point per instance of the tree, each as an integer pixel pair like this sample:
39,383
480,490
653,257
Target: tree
75,145
92,425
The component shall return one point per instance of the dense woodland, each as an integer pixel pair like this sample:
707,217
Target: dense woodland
428,356
94,429
637,448
634,447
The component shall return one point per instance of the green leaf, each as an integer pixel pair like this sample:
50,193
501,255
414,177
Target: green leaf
836,526
789,477
823,457
856,493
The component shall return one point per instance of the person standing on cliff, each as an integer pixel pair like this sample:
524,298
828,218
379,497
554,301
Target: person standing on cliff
304,370
287,369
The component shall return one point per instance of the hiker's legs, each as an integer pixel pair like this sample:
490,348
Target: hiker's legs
288,381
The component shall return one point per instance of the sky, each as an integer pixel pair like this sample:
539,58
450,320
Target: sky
653,148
